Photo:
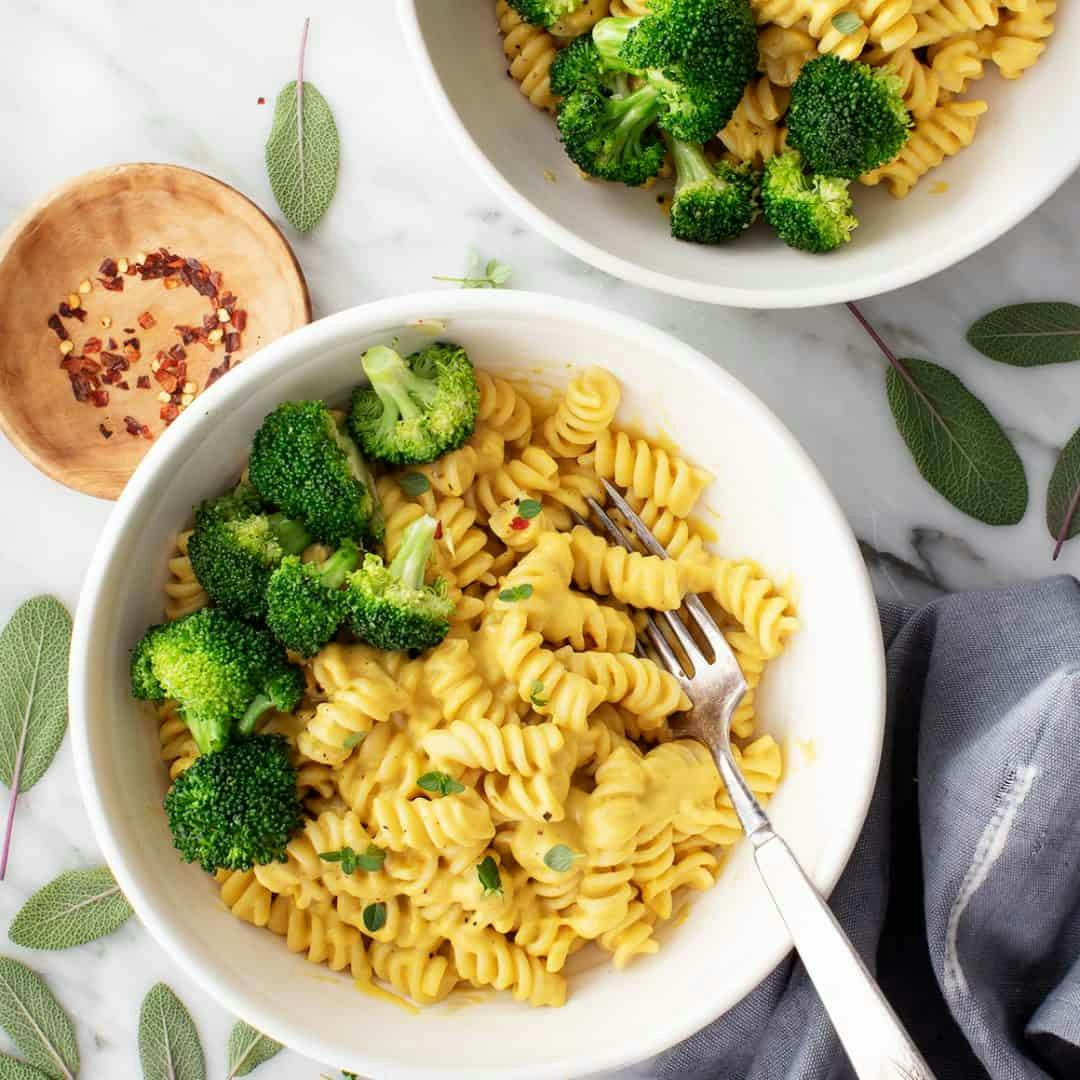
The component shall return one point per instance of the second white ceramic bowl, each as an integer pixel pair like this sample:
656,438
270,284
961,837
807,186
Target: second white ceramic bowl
1024,150
823,701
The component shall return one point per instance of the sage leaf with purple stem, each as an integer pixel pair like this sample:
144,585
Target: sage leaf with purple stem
1063,495
302,151
36,1022
248,1049
1029,335
77,907
34,650
169,1046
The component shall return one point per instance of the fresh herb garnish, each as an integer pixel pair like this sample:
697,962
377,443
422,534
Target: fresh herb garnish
479,275
36,1022
1029,335
353,740
529,508
535,695
516,593
846,22
488,873
33,698
560,858
439,783
1063,495
302,150
77,907
247,1049
370,859
169,1046
414,483
958,446
374,916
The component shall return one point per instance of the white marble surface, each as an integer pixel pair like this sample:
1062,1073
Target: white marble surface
103,81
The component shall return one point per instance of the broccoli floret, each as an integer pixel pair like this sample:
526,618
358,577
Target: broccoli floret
846,118
812,213
233,558
417,407
545,12
242,501
305,464
390,606
712,203
223,673
305,603
236,808
613,137
580,66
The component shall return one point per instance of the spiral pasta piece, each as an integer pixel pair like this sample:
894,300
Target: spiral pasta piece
461,555
244,896
518,533
485,958
587,408
321,936
753,134
508,750
648,471
503,409
540,797
1021,38
613,810
919,83
632,937
784,13
783,51
945,132
178,749
456,682
956,62
533,473
821,15
579,21
418,974
642,581
429,825
947,18
890,23
530,51
576,486
635,682
183,593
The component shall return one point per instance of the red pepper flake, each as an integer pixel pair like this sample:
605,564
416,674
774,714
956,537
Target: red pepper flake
143,382
123,384
113,284
132,426
239,320
106,433
80,387
112,344
188,334
92,346
146,320
438,531
100,398
65,310
178,353
168,382
57,327
108,267
169,412
232,342
260,101
518,524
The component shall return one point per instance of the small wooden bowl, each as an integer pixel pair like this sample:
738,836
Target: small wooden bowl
116,213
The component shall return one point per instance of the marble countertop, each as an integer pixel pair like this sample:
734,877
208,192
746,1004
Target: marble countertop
104,81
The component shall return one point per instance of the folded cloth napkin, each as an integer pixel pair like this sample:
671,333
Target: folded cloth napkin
963,893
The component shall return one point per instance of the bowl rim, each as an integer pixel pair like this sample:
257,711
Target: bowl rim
400,311
954,246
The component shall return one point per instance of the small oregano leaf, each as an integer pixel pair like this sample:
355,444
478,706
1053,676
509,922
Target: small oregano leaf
247,1050
560,858
1063,494
958,446
846,22
516,593
487,871
374,917
35,1021
529,508
302,151
77,907
536,695
1029,335
439,783
414,483
169,1046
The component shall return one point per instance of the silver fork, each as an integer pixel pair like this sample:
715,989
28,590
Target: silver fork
871,1033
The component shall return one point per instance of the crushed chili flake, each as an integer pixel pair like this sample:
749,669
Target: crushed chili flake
112,344
438,530
169,412
260,101
132,426
177,352
232,342
167,381
106,433
518,524
239,320
129,329
91,346
113,284
143,382
123,384
100,398
108,267
146,320
64,309
57,327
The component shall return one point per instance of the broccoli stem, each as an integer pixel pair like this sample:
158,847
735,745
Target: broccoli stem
633,116
259,704
411,560
333,571
398,388
290,533
691,165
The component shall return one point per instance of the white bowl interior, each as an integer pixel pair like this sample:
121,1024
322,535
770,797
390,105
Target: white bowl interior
823,701
1018,158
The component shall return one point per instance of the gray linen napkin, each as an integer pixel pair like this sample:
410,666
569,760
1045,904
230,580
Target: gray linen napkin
963,892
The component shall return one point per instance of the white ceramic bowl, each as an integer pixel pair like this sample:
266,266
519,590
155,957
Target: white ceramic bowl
1023,152
824,700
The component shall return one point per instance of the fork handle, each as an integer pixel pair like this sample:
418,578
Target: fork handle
875,1040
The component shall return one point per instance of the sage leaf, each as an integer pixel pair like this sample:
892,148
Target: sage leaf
14,1069
248,1049
37,1024
1029,335
302,151
169,1046
77,907
1063,494
34,650
958,446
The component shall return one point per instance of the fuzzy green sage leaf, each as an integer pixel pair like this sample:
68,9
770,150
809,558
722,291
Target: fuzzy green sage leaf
169,1046
302,151
958,446
1029,335
77,907
35,1021
34,650
247,1050
1063,495
14,1069
439,783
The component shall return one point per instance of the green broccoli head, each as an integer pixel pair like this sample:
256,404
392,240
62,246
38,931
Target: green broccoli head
305,603
613,137
545,12
233,558
578,66
222,672
712,203
418,407
811,213
236,808
847,118
242,501
390,606
304,463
